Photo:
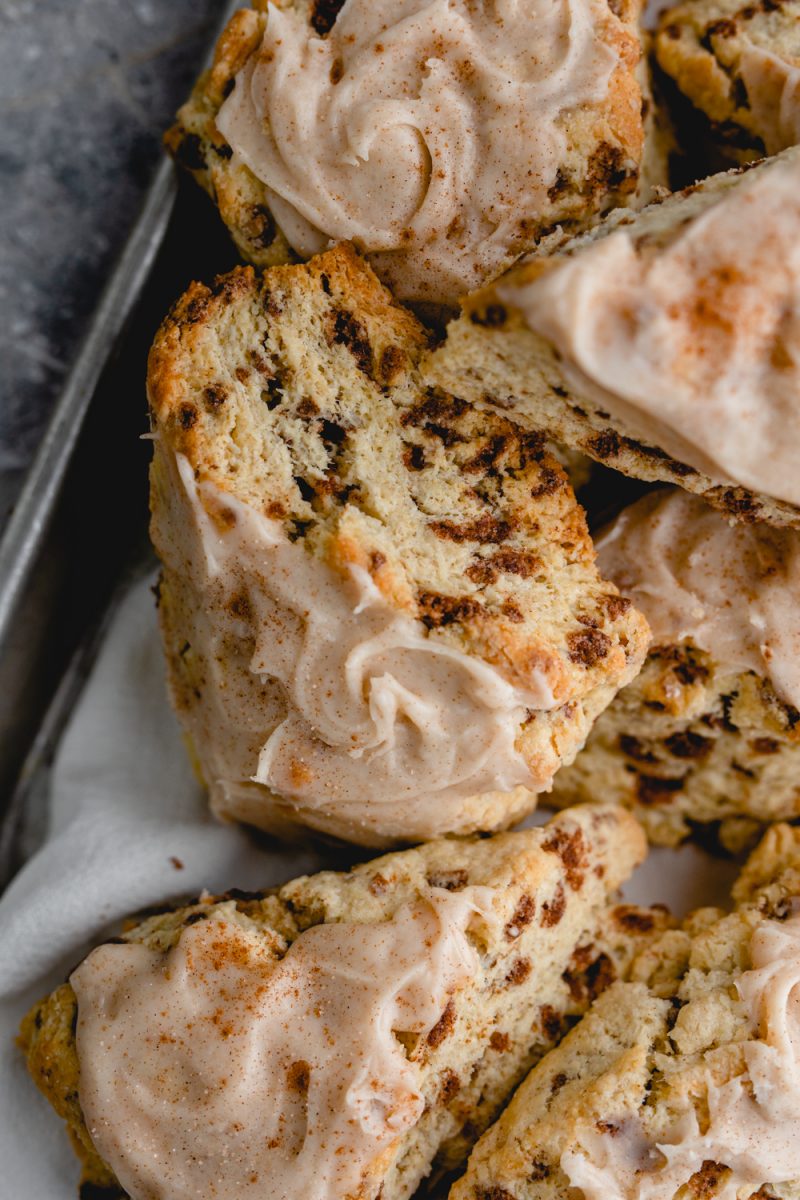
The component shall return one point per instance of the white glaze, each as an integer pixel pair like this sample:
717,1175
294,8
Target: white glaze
323,693
218,1070
694,345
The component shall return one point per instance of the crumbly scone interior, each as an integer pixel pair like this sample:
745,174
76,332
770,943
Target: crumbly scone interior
694,750
705,740
735,64
304,402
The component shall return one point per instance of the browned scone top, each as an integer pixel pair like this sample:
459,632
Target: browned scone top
738,64
555,942
613,151
551,381
298,394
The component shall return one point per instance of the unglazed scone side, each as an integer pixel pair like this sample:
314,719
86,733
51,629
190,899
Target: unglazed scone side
739,65
694,751
298,395
551,889
502,363
705,739
614,154
650,1063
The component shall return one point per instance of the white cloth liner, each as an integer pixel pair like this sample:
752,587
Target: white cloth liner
128,828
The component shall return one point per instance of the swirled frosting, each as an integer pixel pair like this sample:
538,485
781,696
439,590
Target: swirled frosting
219,1070
692,343
318,691
731,589
753,1121
426,131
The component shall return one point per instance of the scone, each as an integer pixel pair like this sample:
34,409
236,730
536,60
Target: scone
343,1034
380,608
739,65
683,1082
707,737
664,344
443,139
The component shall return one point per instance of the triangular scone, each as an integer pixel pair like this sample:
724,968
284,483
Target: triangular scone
682,1082
445,140
739,65
663,344
381,609
384,1014
706,739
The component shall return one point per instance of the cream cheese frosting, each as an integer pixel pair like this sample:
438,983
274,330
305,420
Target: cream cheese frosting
426,131
694,344
219,1070
772,83
321,692
733,590
753,1122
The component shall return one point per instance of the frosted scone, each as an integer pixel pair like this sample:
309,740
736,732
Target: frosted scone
739,64
664,344
381,610
708,735
680,1084
342,1035
443,139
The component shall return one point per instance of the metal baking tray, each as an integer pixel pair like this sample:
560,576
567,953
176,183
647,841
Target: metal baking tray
79,528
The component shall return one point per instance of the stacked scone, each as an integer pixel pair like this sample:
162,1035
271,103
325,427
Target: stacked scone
663,343
739,67
386,622
444,140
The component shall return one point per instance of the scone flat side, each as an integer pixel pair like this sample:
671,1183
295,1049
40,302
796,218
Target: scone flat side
496,1030
461,519
647,1046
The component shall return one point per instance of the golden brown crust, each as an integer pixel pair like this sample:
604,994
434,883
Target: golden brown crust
700,44
47,1038
196,144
